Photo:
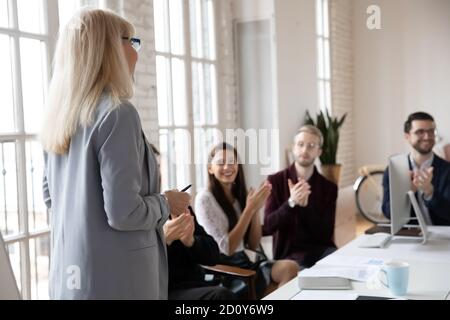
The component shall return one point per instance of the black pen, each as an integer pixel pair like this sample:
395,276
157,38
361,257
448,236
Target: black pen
189,207
185,189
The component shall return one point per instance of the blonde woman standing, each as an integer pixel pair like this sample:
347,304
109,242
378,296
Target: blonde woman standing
101,178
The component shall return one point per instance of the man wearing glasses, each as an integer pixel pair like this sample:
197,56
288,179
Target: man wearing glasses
430,175
300,211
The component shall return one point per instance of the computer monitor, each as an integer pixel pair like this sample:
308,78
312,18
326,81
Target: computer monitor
401,196
8,285
399,185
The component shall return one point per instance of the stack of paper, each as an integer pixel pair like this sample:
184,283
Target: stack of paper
353,268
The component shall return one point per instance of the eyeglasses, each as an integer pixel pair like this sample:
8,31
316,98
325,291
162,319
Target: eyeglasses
309,146
421,132
135,42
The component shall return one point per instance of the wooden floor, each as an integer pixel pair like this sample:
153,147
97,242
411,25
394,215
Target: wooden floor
362,224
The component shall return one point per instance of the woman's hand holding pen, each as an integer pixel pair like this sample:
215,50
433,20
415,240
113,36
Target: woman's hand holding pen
178,201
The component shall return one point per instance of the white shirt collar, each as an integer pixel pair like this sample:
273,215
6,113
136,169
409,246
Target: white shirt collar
424,165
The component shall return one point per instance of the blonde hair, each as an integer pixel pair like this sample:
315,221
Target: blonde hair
311,130
89,60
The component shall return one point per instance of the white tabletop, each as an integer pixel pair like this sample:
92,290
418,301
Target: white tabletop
429,268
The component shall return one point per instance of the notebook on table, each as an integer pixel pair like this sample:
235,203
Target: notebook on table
324,283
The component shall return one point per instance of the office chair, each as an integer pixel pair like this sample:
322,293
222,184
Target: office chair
243,282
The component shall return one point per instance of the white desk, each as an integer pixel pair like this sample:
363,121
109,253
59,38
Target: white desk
429,267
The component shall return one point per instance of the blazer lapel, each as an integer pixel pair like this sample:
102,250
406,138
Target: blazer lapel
152,167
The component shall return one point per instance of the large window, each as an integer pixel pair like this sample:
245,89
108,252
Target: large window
25,56
68,7
186,69
323,55
28,29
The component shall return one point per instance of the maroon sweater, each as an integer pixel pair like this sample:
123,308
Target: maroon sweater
298,230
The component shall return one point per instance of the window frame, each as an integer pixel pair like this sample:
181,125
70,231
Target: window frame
188,60
324,40
20,138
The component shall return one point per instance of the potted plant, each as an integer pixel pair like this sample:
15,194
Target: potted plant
329,126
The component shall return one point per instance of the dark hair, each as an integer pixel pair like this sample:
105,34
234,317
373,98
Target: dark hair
416,116
239,189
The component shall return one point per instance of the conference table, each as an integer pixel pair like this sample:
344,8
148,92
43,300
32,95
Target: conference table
429,277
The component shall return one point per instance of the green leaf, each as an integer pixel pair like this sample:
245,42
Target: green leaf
329,126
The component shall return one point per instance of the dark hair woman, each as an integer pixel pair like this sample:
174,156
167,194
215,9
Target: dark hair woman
230,214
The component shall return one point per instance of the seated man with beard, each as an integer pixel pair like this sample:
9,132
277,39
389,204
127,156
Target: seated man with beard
300,211
430,175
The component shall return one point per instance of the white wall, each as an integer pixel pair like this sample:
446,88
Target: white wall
254,49
278,80
404,67
296,74
256,92
341,53
252,9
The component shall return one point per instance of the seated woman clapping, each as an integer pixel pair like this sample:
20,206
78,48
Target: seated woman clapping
230,215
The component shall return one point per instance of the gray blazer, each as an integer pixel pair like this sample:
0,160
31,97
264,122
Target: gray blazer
107,215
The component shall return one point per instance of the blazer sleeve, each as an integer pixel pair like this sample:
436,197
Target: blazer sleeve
121,165
440,202
386,205
275,211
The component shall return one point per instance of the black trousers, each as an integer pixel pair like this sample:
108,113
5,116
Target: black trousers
312,257
202,293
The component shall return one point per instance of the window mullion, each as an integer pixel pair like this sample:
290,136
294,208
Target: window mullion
171,134
221,125
189,93
12,7
324,62
18,33
21,161
17,76
23,215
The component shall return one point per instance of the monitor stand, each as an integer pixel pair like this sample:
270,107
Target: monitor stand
419,231
406,231
420,217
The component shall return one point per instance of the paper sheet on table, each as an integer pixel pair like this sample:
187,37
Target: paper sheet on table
325,295
362,274
351,261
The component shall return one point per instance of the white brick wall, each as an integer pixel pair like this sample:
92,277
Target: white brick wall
227,72
140,13
341,37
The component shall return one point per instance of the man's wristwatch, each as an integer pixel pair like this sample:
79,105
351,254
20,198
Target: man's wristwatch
291,202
